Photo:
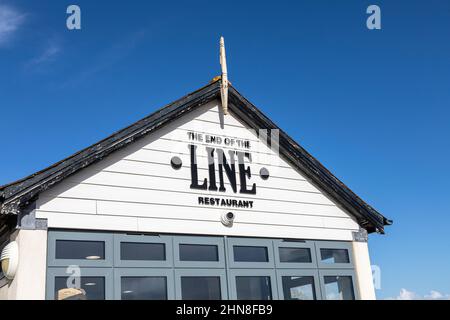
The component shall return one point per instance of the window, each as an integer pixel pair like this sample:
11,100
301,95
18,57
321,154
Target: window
334,256
84,249
298,288
95,283
142,251
78,249
252,284
253,288
201,284
298,255
339,288
295,254
143,284
143,288
200,288
198,252
93,286
298,284
160,267
250,254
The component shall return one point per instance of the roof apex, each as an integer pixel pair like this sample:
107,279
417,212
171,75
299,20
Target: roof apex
19,194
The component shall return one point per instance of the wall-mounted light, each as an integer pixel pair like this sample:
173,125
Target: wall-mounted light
10,259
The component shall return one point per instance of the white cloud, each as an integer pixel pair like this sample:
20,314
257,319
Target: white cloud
410,295
10,20
49,53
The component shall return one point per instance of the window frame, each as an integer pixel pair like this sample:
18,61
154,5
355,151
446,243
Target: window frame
293,244
233,273
107,273
298,273
158,239
143,272
219,242
221,273
53,236
248,242
324,273
334,245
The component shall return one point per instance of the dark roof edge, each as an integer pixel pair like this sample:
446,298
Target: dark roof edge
366,215
19,194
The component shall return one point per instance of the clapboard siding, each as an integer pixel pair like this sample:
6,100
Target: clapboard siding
133,224
179,185
136,189
188,198
145,155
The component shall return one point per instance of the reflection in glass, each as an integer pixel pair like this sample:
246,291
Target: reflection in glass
334,255
250,254
339,288
93,286
253,288
298,255
200,288
298,288
142,251
198,252
144,288
80,249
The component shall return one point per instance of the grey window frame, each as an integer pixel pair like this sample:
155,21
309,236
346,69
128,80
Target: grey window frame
278,243
233,273
334,245
53,236
107,273
249,242
143,272
221,273
219,242
323,273
166,240
298,273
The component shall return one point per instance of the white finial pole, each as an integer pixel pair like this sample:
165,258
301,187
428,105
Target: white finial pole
224,78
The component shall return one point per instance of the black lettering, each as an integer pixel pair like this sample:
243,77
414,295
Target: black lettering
194,171
230,170
245,173
211,169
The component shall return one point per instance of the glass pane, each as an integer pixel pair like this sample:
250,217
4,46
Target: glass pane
198,252
334,255
250,254
339,288
142,251
253,288
94,287
298,288
298,255
200,288
144,288
80,249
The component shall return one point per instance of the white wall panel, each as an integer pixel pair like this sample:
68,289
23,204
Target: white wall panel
136,189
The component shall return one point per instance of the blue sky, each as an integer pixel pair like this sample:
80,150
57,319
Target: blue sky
372,105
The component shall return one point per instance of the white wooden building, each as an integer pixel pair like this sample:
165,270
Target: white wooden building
189,203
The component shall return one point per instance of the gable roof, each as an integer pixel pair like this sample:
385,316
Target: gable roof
19,194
